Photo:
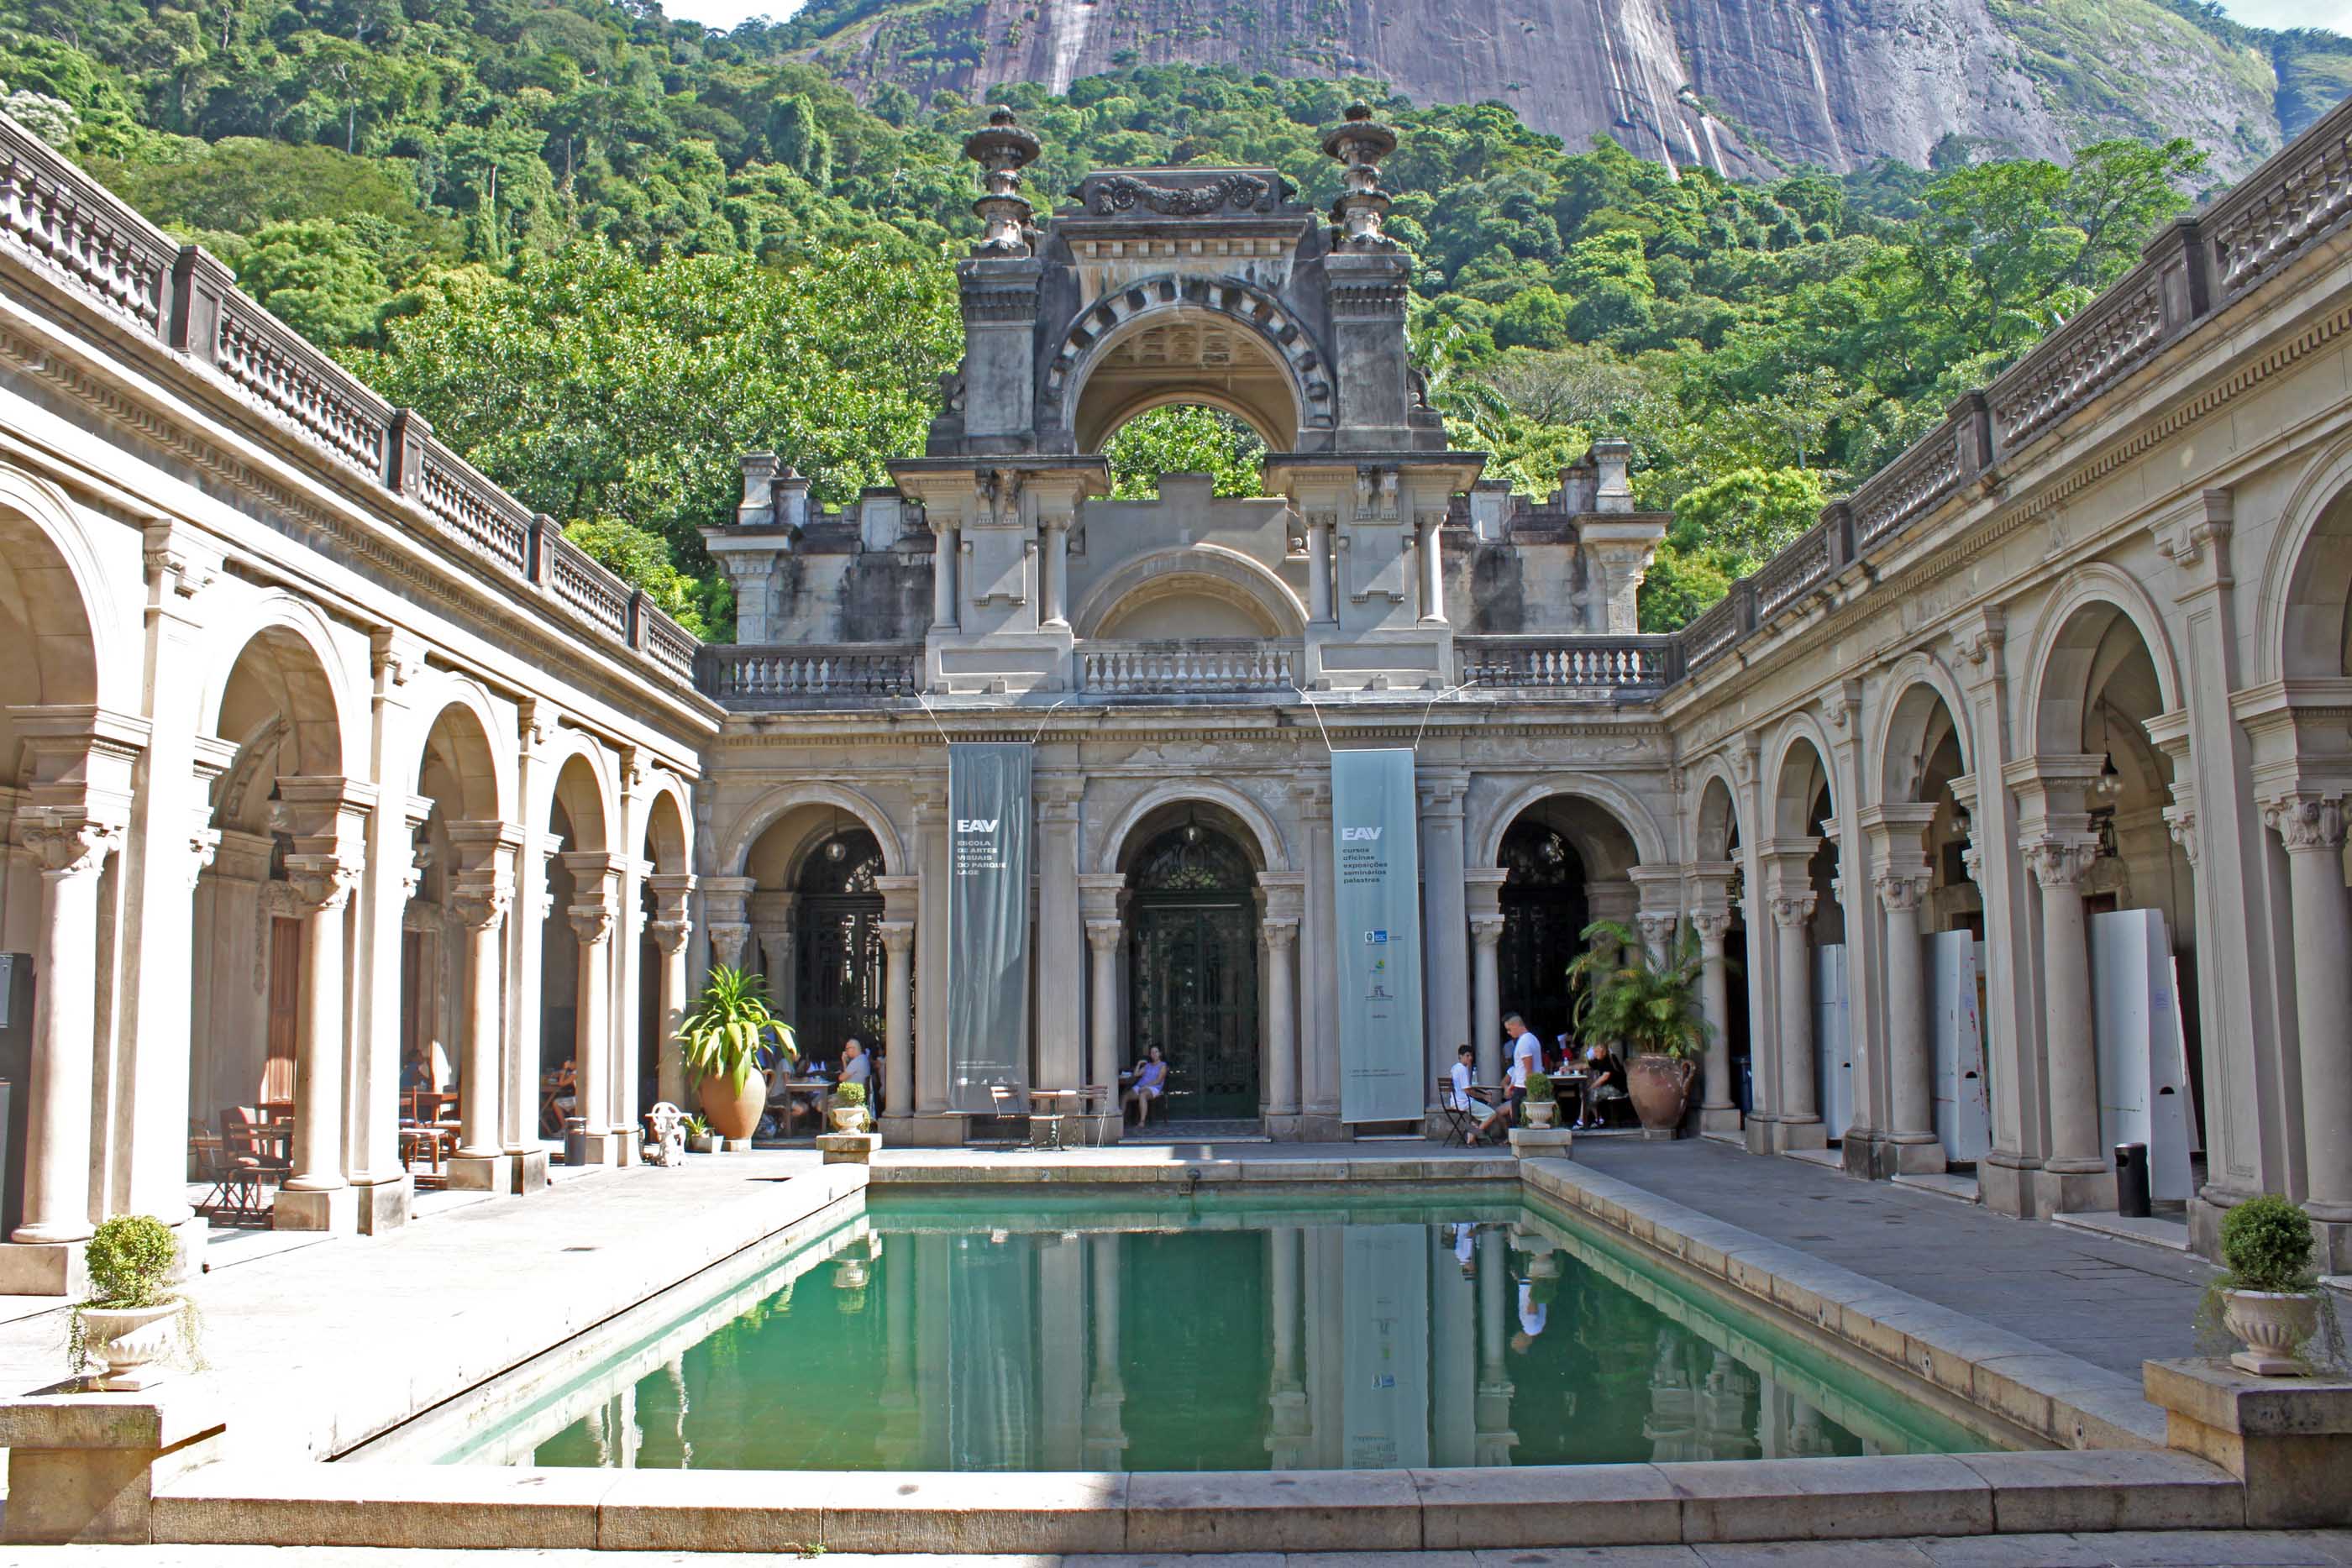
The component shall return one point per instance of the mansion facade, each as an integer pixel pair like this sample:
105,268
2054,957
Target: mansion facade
2006,805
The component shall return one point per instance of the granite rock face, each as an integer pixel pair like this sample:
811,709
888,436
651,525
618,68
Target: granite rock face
1740,86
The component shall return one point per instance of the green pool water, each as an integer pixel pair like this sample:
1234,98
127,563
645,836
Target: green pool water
1223,1331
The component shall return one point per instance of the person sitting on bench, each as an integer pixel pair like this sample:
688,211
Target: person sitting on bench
1149,1083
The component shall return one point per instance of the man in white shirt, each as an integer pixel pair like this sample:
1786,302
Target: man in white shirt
1526,1057
1463,1099
1532,1314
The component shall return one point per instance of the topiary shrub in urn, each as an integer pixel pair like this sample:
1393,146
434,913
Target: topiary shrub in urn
1543,1101
2266,1295
849,1108
728,1040
135,1324
1647,1008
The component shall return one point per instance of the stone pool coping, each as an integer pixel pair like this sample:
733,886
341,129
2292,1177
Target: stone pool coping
1327,1510
2107,1471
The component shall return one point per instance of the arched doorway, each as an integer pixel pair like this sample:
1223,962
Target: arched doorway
838,963
1545,912
1192,961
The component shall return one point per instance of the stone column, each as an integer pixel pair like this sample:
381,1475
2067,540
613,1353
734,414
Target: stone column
1432,547
1486,994
1495,1439
1910,1053
2059,861
670,928
1447,941
1060,1016
592,922
931,849
73,852
1318,566
2311,826
315,1196
1658,908
1319,1044
1103,939
1718,1111
1055,566
726,907
897,1014
1797,1115
480,907
1281,937
943,578
1288,1425
1105,1389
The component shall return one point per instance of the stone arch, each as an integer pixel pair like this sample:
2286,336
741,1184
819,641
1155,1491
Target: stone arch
1716,823
735,849
461,716
2304,620
580,781
1207,568
1641,827
669,834
1790,804
1296,398
2066,644
69,620
1905,734
287,645
1263,836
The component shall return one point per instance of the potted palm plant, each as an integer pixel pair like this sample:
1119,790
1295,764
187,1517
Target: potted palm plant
2268,1298
700,1139
849,1108
728,1040
1648,1008
134,1322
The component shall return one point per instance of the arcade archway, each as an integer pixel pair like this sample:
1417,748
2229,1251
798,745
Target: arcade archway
1192,962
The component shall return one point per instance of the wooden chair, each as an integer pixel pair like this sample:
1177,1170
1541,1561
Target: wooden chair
235,1182
1458,1124
242,1139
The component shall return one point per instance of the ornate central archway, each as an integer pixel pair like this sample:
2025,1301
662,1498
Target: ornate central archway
1192,954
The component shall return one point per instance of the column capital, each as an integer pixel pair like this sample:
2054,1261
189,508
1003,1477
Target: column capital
1656,926
593,923
726,940
69,844
897,936
2306,821
1280,932
324,882
670,935
1900,889
1712,926
481,901
2060,860
1486,930
1792,910
1103,936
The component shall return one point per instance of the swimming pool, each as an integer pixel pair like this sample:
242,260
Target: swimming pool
1225,1331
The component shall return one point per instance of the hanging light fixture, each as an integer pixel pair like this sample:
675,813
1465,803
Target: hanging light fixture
1192,828
836,849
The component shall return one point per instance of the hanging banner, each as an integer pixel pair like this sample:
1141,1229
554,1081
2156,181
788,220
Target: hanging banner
1376,861
988,920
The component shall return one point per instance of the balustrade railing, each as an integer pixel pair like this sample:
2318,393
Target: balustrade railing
1602,666
1202,665
750,675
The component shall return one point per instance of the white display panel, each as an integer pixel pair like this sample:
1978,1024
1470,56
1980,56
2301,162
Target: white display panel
1953,960
1832,1058
2143,1061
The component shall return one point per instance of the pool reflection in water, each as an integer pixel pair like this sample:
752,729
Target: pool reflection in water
1228,1334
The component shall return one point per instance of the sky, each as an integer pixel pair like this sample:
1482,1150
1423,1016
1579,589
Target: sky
2336,14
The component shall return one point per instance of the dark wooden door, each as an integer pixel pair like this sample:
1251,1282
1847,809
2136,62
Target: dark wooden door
1544,916
285,1008
1194,995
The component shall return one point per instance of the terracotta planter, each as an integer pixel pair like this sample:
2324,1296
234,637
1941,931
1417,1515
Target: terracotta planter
731,1114
2273,1326
1541,1113
1660,1088
127,1345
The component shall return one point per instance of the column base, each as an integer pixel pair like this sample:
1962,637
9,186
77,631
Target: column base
1320,1127
921,1132
1918,1153
479,1172
384,1205
1866,1155
336,1210
44,1269
2010,1189
1758,1133
1806,1134
1718,1119
2331,1245
526,1170
2075,1192
607,1148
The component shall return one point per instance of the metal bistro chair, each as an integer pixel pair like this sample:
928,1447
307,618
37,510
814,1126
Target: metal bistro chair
1457,1115
1097,1104
1012,1104
234,1181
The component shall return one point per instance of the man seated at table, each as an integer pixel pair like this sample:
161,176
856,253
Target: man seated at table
1464,1092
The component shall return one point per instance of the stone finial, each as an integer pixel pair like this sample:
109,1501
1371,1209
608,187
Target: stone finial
759,502
1003,150
1359,143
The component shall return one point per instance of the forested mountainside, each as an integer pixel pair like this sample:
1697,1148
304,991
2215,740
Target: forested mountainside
604,253
1741,87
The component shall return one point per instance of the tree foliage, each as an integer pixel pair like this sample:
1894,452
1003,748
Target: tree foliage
605,250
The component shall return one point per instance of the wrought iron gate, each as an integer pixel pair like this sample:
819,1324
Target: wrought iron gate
1193,986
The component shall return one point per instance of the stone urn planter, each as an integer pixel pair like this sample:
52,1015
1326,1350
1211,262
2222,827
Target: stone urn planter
1541,1113
733,1114
129,1345
848,1118
2273,1326
1660,1088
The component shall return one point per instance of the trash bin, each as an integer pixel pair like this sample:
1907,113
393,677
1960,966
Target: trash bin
2131,1181
575,1140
